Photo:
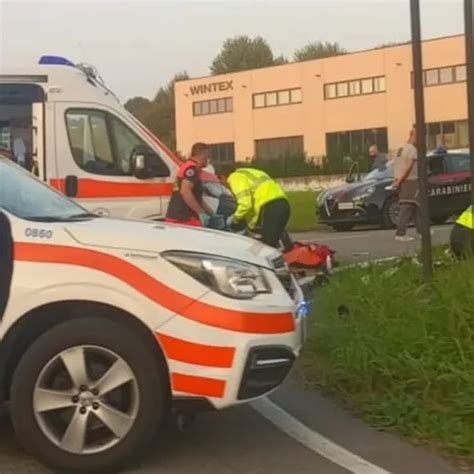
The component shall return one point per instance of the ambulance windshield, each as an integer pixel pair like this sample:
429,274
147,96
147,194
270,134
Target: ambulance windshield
28,198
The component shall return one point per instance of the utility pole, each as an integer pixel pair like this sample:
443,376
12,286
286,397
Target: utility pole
418,88
469,37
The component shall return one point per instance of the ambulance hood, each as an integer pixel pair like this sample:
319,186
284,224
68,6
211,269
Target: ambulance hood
146,236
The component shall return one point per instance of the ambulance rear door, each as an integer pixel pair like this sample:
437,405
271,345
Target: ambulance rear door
94,149
22,121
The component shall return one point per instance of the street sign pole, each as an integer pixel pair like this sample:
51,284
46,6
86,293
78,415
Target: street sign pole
426,253
469,37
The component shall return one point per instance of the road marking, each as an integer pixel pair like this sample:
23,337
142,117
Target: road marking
314,441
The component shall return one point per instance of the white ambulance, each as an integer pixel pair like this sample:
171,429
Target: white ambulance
107,324
61,122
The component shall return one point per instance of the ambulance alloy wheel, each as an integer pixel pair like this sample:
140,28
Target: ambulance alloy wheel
88,396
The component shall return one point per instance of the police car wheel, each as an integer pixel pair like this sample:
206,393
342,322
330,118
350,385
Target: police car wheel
390,212
88,396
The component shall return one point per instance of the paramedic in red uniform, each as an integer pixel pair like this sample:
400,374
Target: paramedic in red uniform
186,206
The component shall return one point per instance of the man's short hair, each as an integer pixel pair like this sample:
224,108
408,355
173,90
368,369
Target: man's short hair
199,148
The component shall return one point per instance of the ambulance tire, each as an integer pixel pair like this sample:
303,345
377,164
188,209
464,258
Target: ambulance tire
150,376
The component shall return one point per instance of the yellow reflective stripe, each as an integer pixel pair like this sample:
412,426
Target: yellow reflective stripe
244,193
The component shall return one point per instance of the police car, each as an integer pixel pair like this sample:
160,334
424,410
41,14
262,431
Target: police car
106,324
370,200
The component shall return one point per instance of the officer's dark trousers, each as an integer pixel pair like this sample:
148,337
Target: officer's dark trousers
462,241
6,261
275,216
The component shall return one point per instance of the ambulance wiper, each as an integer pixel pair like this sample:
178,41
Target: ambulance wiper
82,215
74,217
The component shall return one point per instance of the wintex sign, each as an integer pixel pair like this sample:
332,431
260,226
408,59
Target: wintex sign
212,87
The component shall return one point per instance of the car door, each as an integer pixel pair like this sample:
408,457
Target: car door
94,150
439,199
458,177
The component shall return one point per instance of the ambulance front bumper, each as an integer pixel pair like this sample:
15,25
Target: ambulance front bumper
227,368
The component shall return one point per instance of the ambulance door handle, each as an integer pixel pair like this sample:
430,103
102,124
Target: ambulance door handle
71,186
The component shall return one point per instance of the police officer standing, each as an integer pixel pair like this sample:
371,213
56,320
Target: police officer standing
186,206
261,202
462,234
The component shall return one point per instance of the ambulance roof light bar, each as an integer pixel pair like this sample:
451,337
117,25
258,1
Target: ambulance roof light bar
49,60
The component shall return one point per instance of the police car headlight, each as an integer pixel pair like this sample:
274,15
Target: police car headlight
228,277
321,198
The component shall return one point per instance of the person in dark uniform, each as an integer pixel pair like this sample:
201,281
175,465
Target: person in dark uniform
6,261
186,206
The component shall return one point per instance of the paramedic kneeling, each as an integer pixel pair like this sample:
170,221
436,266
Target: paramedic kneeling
261,202
462,234
186,205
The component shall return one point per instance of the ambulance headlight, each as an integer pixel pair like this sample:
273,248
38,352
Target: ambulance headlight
228,277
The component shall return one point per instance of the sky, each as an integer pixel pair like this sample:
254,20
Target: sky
138,45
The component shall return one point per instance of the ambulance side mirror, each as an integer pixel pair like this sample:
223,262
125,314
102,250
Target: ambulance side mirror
146,164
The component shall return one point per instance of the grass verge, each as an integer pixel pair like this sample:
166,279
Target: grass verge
403,356
303,211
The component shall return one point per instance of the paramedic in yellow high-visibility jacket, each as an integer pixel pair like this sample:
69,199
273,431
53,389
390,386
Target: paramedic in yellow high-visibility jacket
462,234
261,202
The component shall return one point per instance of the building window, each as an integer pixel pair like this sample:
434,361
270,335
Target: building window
222,153
258,101
279,148
443,75
432,77
342,89
379,84
370,85
284,97
330,91
215,106
354,88
354,144
446,75
450,135
275,98
296,96
461,74
367,86
271,99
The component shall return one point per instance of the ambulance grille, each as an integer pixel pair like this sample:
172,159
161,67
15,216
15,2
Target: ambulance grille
288,283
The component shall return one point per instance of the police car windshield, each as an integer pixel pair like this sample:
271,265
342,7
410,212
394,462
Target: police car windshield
28,198
381,174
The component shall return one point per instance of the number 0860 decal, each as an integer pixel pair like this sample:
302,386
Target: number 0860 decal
38,233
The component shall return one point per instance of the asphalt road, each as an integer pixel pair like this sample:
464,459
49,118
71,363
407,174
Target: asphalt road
369,244
295,431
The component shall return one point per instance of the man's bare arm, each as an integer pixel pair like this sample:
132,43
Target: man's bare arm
189,198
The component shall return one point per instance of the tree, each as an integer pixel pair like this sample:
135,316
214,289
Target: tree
159,115
318,50
242,53
139,106
391,44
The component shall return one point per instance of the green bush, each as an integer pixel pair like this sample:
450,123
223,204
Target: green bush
403,356
299,165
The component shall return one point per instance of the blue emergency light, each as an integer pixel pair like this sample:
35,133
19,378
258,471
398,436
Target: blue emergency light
48,60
